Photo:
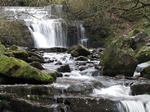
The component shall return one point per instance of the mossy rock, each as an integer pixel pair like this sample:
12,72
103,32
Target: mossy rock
143,54
119,57
34,57
36,65
13,47
79,50
146,72
19,53
21,71
2,48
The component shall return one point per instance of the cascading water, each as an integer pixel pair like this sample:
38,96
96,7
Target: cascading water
47,26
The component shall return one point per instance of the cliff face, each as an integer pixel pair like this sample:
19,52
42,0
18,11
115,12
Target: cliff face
15,32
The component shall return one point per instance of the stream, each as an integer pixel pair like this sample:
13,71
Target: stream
82,87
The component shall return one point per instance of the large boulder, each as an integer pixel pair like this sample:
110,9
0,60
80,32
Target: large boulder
146,72
119,57
79,50
23,54
64,68
143,54
140,88
18,71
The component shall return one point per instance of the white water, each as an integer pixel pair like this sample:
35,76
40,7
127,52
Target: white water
46,25
128,103
110,89
140,67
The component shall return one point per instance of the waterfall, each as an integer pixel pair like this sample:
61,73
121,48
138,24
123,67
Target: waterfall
127,102
47,25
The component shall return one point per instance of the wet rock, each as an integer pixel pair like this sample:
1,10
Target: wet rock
64,68
21,72
143,54
58,63
54,74
88,104
79,50
81,58
146,72
36,65
140,88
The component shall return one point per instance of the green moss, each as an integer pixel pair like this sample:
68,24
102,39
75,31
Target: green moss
15,68
13,47
79,50
2,48
118,57
143,54
146,72
28,72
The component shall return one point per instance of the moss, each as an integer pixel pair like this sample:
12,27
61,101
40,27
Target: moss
143,54
2,48
79,50
119,58
28,72
15,68
146,72
13,47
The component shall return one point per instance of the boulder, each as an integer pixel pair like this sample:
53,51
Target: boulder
13,47
36,65
79,50
64,68
143,54
146,72
34,57
18,71
140,88
119,57
19,53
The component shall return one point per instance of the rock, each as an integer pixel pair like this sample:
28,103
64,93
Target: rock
82,58
54,74
58,63
19,53
119,57
143,54
15,32
20,72
36,65
13,47
88,104
64,68
2,48
140,40
79,50
140,88
34,57
146,72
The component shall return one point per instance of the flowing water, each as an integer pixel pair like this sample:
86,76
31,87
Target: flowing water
49,29
79,82
47,26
